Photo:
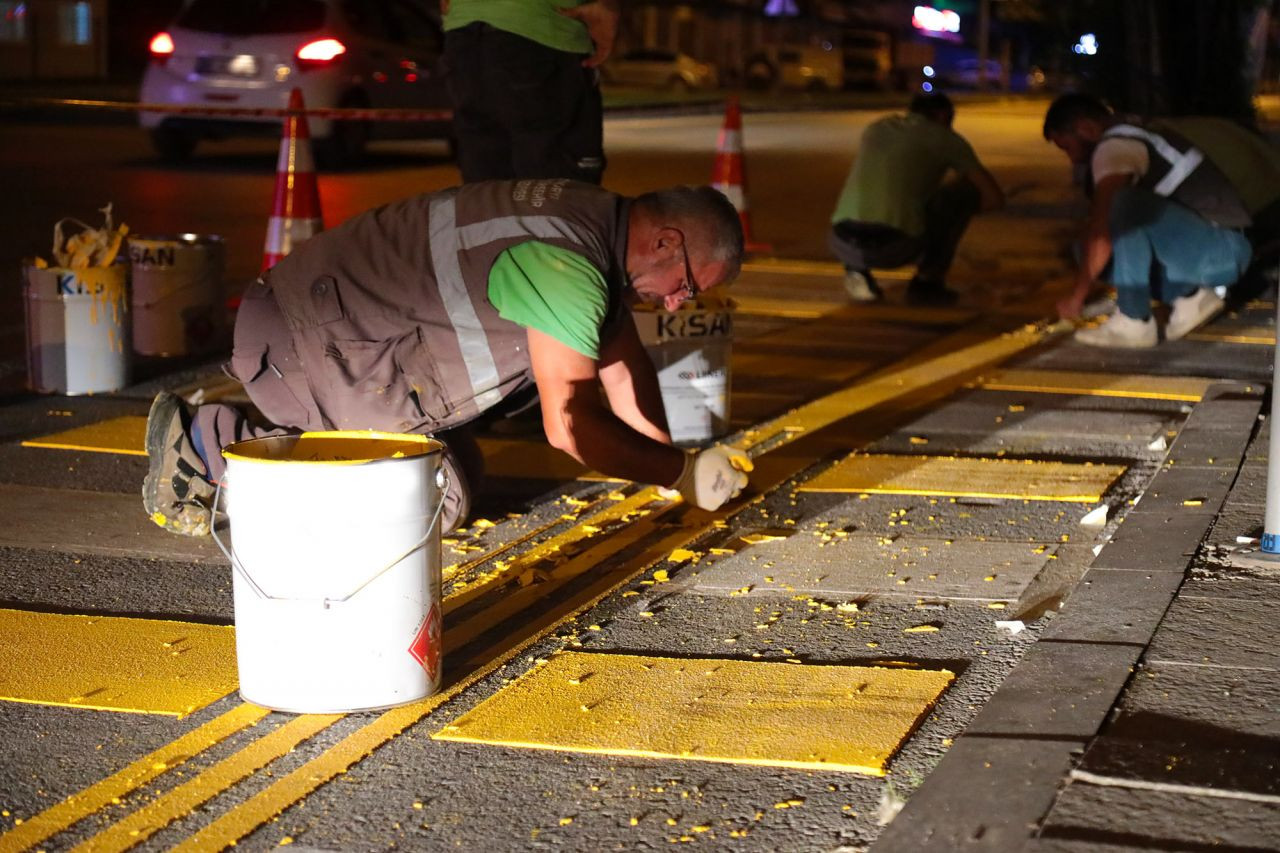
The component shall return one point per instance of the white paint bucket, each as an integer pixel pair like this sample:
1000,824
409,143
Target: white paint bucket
77,329
176,293
335,552
690,348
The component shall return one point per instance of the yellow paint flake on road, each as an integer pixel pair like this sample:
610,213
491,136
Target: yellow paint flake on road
110,663
1185,388
126,435
960,477
773,714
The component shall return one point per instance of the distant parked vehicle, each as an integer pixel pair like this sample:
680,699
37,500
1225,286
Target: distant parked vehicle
806,68
659,69
964,75
252,53
867,58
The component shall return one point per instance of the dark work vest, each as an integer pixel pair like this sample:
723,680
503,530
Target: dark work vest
1180,171
390,311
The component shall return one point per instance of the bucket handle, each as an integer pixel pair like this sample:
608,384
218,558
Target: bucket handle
442,484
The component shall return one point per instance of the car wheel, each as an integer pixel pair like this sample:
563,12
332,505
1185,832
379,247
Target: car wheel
761,74
344,147
172,144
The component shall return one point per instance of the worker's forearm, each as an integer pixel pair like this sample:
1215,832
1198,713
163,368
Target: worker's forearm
603,442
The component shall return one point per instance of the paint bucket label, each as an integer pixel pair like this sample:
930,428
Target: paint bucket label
176,293
77,324
690,349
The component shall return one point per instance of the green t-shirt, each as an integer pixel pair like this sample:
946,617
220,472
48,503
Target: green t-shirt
901,161
536,20
556,291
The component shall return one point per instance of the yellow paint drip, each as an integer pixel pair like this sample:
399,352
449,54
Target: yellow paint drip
964,477
146,666
773,714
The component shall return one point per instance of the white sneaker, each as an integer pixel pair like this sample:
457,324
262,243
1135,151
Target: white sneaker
1120,330
861,287
1190,312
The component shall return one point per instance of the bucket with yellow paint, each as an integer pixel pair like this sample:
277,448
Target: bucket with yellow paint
176,292
77,328
335,552
690,348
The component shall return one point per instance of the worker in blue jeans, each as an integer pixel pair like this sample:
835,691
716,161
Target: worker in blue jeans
1169,214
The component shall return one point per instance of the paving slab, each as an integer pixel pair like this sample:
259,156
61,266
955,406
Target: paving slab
1218,632
1114,606
1162,820
968,477
1156,541
1033,419
1179,488
143,666
740,712
983,797
1059,690
1177,359
92,523
816,562
1227,408
1208,448
1227,763
1203,705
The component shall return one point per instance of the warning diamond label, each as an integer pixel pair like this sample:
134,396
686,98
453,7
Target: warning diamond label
425,647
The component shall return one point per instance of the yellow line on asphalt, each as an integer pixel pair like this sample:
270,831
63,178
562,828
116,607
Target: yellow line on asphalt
98,796
126,435
1263,335
244,818
1182,388
183,799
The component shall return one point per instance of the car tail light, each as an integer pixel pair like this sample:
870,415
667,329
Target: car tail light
161,47
319,53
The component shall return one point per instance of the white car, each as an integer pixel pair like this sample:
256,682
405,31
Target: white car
659,69
339,53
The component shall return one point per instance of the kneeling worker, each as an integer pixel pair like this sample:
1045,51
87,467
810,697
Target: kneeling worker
1173,204
424,314
913,188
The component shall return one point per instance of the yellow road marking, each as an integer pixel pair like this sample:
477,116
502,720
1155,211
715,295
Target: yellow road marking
126,435
537,460
885,386
244,818
948,476
78,806
1264,335
111,663
814,717
1186,388
182,800
794,309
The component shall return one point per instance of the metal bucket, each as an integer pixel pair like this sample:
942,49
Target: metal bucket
690,348
77,329
177,293
335,552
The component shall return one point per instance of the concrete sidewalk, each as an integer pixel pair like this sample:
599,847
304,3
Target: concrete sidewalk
1147,716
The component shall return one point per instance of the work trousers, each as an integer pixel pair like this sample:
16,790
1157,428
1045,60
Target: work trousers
521,109
863,245
263,358
1163,249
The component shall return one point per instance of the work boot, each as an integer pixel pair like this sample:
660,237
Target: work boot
932,294
861,286
176,494
1191,312
1120,330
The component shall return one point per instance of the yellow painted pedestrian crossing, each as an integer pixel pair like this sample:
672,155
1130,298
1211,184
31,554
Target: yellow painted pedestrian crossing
945,476
808,716
125,435
1185,388
109,663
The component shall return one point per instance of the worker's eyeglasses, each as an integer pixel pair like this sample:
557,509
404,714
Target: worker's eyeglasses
689,285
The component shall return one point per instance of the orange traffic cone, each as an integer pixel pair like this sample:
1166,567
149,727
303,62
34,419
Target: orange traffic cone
295,216
728,175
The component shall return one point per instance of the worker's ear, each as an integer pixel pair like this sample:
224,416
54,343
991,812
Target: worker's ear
667,239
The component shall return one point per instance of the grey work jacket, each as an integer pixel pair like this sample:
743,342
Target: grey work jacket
1180,171
390,315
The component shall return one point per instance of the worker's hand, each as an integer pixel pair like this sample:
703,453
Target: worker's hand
713,476
600,17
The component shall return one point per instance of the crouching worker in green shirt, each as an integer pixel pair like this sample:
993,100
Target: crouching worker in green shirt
424,314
